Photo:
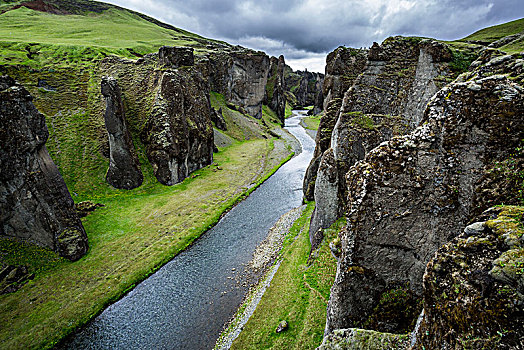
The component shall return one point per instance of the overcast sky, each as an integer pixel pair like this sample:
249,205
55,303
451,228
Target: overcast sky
304,31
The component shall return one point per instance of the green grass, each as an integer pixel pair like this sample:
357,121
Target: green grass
298,294
38,38
313,122
131,237
497,32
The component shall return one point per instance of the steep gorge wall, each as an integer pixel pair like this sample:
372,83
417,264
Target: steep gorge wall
382,101
35,205
85,148
306,88
414,193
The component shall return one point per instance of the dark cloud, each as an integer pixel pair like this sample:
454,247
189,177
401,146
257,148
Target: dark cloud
308,29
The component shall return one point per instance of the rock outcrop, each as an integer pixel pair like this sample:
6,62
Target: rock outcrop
174,57
342,67
362,339
218,119
306,88
387,99
124,167
241,76
474,287
178,133
275,97
35,205
414,193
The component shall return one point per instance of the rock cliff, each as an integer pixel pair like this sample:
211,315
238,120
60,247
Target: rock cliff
342,67
241,76
306,88
124,168
275,97
385,100
35,205
412,194
178,133
473,287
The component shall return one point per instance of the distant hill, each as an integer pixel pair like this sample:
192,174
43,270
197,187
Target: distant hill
30,27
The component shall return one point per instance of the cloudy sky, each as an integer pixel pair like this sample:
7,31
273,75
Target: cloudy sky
304,31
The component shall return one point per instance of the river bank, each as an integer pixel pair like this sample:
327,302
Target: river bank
206,279
130,238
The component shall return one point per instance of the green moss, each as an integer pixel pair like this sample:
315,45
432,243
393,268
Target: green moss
461,60
362,120
397,305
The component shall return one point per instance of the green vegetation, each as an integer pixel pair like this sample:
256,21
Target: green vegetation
298,293
312,122
494,33
362,120
132,236
38,38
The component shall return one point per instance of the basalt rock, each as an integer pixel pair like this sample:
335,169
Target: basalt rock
240,76
414,193
362,339
387,99
174,57
178,134
124,167
275,97
35,205
474,287
342,67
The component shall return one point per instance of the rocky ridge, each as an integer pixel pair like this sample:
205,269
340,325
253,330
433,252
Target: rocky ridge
386,92
412,194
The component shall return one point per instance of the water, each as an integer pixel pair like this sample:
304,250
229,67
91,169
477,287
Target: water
183,304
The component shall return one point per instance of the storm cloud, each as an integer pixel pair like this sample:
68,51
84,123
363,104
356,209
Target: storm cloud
304,31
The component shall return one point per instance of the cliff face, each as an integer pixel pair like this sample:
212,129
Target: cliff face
124,168
412,194
178,134
35,205
167,100
306,88
385,100
275,97
342,67
240,76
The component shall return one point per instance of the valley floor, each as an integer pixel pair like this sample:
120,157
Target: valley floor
132,236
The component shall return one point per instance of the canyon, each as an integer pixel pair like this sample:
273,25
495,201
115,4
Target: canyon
116,159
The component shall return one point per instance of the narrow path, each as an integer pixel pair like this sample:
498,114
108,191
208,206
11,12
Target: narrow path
185,304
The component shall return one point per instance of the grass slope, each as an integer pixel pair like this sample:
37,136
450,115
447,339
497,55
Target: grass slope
38,38
298,294
494,33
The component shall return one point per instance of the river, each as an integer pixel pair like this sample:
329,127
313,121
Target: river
185,304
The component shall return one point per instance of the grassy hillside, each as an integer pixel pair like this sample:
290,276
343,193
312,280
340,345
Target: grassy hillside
494,33
35,37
